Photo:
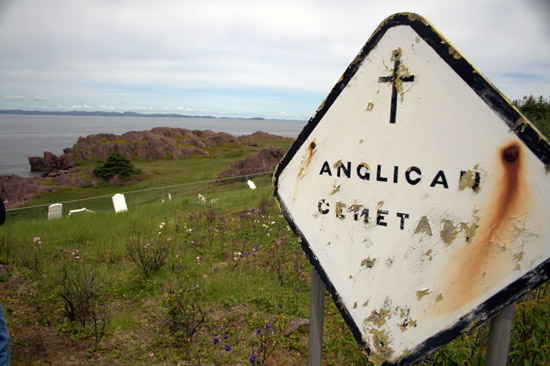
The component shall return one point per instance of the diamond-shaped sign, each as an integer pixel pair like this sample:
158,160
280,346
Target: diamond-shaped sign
419,193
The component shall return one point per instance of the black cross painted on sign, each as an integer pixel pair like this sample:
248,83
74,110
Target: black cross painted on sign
396,81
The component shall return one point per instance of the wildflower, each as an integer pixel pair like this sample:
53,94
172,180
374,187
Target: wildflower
270,326
225,336
297,289
169,239
37,240
227,348
162,225
258,331
216,270
252,358
215,341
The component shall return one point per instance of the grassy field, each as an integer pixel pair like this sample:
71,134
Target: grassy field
187,282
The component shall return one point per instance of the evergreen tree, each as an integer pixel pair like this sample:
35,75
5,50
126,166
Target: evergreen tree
118,165
537,110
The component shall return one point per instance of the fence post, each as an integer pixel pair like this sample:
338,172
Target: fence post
316,310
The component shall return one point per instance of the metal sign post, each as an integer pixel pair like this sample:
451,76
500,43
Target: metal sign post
316,310
419,193
499,337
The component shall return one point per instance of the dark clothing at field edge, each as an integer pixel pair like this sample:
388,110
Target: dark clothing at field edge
4,335
4,341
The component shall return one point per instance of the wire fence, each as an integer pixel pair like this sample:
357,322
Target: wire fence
206,192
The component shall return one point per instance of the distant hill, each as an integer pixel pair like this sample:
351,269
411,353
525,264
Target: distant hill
114,114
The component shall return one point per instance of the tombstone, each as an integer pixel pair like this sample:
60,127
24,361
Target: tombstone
251,184
169,197
78,210
119,203
55,211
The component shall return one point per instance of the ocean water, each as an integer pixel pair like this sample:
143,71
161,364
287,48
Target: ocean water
22,135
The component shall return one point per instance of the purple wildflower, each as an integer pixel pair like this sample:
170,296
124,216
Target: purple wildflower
215,341
270,326
227,348
252,358
225,336
258,331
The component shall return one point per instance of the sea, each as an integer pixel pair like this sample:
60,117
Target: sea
22,136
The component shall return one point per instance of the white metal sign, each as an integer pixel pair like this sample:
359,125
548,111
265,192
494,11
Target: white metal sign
420,194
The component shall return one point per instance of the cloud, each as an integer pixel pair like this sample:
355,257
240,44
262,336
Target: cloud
39,99
74,107
133,53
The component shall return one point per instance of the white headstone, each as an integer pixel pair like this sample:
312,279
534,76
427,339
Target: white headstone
55,211
78,210
119,203
251,184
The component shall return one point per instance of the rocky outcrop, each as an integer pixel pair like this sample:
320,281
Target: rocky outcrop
158,143
16,190
51,162
262,161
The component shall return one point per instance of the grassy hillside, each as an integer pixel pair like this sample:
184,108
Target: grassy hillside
188,281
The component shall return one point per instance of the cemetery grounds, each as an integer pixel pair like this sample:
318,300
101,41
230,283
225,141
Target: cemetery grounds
212,276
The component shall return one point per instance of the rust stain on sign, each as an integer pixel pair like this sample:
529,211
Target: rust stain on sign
307,160
305,165
475,266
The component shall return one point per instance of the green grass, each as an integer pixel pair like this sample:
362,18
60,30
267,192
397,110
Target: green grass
222,263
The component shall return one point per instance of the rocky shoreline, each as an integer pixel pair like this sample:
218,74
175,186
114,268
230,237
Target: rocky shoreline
158,143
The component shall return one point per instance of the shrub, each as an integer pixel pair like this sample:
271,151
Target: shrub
150,256
116,165
85,299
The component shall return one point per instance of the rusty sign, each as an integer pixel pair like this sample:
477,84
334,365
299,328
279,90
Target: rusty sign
419,193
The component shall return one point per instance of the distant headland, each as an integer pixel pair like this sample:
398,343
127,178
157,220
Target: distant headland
116,114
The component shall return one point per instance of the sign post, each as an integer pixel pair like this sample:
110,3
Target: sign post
499,337
316,312
419,193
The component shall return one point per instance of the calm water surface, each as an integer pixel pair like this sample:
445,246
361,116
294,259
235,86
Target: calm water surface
22,136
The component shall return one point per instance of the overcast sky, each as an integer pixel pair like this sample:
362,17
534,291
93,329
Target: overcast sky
268,58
